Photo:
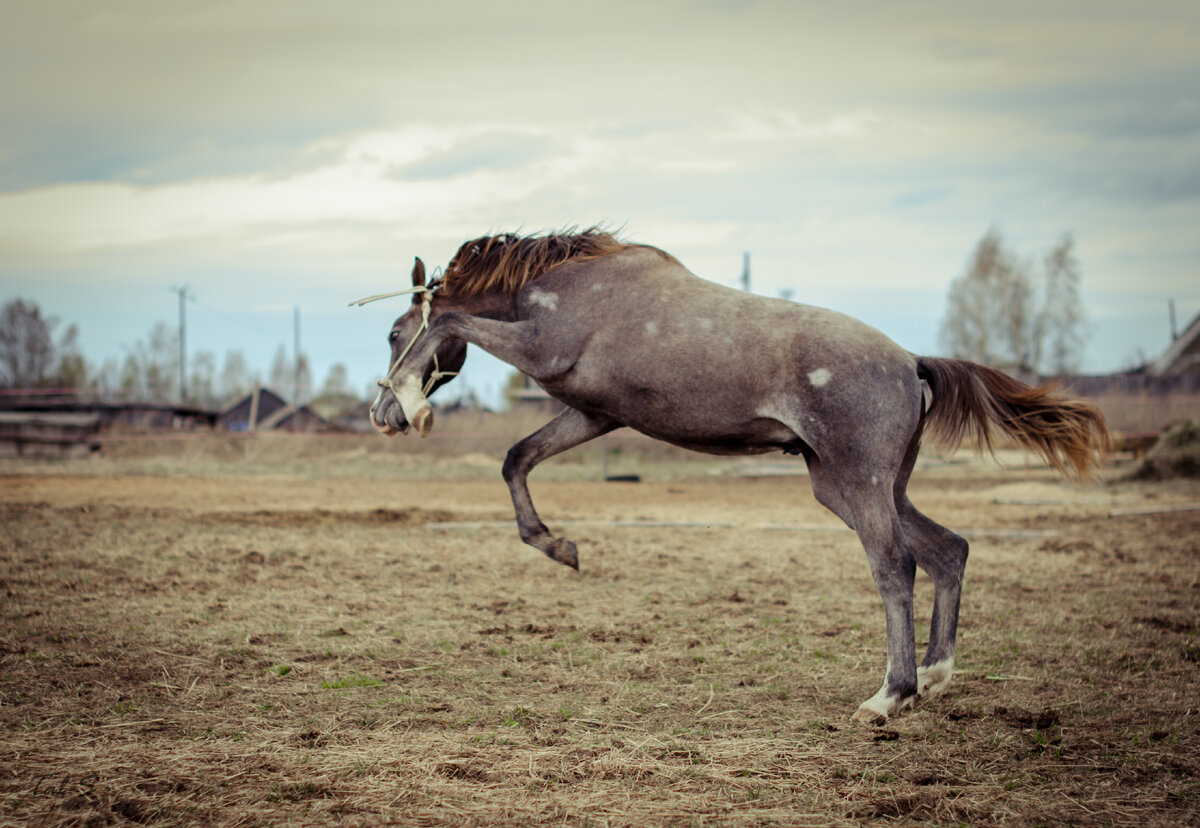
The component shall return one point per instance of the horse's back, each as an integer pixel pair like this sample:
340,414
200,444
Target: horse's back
644,292
646,337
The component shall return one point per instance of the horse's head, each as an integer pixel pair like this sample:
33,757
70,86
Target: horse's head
387,412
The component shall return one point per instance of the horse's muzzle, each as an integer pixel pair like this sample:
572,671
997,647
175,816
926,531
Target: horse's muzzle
386,415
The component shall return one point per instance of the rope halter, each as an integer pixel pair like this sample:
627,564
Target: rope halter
426,308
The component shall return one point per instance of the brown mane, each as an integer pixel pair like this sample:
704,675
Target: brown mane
508,262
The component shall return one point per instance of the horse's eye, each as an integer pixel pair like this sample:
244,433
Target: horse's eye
393,336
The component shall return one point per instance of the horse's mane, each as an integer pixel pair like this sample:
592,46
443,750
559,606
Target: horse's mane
508,261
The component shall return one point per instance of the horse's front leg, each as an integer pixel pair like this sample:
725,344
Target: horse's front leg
568,429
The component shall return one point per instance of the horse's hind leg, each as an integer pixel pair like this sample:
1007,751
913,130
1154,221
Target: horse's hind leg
893,568
867,507
568,429
943,555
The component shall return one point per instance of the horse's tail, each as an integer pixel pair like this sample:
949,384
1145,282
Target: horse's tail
971,400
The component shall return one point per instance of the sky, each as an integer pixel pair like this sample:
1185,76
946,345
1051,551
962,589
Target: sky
274,156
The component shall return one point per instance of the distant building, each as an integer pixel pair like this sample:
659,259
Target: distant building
295,418
274,413
1182,356
40,434
112,415
356,417
532,397
236,415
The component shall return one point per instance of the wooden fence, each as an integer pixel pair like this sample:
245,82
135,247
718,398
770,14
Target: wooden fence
37,434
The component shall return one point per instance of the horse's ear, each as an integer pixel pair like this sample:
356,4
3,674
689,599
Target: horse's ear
418,273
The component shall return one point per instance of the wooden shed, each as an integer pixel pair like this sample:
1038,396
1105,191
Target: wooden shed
236,415
1182,356
40,433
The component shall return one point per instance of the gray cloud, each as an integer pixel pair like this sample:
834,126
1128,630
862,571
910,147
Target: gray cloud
158,155
495,150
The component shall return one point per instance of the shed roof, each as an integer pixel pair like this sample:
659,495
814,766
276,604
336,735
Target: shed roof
1182,356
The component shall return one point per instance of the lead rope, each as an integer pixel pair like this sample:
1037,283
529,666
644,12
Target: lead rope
426,307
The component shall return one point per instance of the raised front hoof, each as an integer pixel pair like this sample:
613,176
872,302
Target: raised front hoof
563,551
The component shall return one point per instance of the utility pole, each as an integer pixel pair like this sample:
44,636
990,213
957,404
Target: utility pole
183,297
296,381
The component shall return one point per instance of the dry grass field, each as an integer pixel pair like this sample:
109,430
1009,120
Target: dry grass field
339,631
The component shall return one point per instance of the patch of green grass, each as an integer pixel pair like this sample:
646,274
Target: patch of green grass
519,717
124,708
877,776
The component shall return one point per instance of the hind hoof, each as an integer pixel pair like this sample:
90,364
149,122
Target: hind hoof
866,715
881,707
933,679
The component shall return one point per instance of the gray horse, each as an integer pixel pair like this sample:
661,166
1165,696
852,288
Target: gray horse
624,335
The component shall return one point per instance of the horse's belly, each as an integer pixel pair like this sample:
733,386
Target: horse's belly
732,444
723,421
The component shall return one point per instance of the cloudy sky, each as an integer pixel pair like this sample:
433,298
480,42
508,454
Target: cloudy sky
275,155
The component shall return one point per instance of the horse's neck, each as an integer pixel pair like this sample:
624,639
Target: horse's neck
495,304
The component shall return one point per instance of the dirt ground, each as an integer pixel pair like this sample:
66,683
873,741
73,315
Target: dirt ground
255,643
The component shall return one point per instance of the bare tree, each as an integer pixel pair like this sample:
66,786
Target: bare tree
1062,333
151,366
72,371
282,373
999,314
987,310
108,377
335,396
201,383
161,361
26,345
131,382
235,375
290,378
337,381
